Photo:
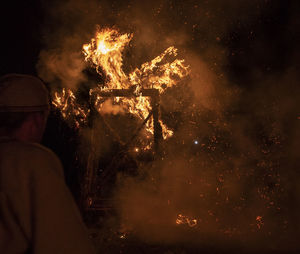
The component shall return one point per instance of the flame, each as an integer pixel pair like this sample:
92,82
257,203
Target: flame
105,54
159,73
182,219
65,102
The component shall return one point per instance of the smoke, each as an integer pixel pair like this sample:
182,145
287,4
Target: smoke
108,108
68,25
64,69
235,172
232,163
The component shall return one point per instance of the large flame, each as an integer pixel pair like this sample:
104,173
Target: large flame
104,53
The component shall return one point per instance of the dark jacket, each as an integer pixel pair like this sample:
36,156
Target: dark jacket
37,211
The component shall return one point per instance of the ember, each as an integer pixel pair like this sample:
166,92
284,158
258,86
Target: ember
259,221
182,219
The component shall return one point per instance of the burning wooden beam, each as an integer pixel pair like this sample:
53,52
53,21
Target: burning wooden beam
152,93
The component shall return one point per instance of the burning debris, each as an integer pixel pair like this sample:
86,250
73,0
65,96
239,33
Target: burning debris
182,219
65,102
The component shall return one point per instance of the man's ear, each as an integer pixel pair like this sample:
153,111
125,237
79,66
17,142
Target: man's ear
33,127
38,119
25,130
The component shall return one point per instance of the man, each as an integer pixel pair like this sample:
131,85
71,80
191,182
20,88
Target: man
37,211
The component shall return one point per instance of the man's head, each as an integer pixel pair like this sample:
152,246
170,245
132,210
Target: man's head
24,107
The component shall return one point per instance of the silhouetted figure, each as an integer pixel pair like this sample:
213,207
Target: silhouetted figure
37,211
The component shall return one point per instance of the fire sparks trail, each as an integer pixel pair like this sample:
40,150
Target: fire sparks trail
104,53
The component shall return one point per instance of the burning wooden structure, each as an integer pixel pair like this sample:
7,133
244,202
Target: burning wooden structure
137,93
89,200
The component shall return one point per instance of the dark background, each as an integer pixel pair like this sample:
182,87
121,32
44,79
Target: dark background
268,42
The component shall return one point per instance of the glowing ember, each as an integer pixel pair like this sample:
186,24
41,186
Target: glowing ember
259,222
123,236
182,219
104,53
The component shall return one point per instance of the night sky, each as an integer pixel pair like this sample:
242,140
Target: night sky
267,42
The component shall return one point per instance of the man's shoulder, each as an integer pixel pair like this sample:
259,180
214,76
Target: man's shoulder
36,148
26,148
31,155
